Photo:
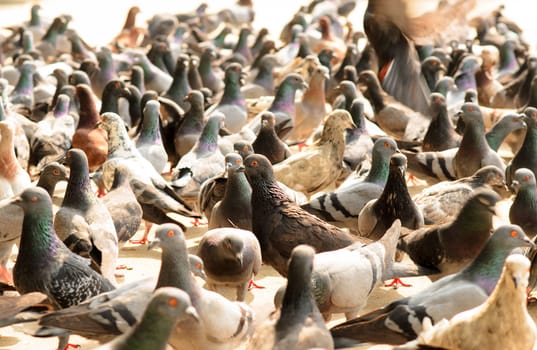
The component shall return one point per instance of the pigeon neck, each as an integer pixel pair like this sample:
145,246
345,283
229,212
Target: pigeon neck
88,116
220,38
265,189
205,67
237,187
284,101
78,191
265,77
38,238
315,94
61,108
180,86
47,184
395,201
465,81
487,266
232,94
152,332
175,271
208,140
119,142
525,199
473,139
297,302
440,130
529,145
150,129
496,135
194,117
333,135
2,111
35,19
379,170
25,84
507,58
375,96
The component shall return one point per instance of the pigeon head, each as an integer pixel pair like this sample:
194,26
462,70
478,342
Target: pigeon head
34,200
398,163
172,303
182,62
433,64
268,120
233,74
437,101
523,178
492,176
243,148
339,119
234,162
517,269
385,147
110,122
471,114
369,79
510,237
232,247
195,98
116,88
346,87
51,174
196,266
530,116
294,81
445,84
258,167
167,234
75,158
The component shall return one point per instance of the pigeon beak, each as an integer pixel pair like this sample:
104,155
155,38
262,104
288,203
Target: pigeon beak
517,279
154,243
17,200
528,242
304,85
238,256
191,311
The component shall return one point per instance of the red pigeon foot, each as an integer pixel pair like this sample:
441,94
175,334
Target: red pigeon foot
301,146
5,275
142,240
252,285
197,222
396,282
74,346
101,192
123,267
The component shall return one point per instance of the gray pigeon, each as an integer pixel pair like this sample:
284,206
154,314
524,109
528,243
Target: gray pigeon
44,264
149,141
168,305
234,210
231,257
299,325
505,311
400,320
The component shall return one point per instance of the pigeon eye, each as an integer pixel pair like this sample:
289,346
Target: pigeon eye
117,85
386,144
198,266
56,172
471,109
515,119
254,164
437,100
172,302
33,199
171,233
526,178
514,233
238,162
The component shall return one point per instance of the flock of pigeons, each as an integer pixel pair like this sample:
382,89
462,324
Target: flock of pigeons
297,148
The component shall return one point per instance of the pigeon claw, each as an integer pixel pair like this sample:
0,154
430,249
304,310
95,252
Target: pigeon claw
72,346
101,192
252,285
396,282
142,240
5,275
197,222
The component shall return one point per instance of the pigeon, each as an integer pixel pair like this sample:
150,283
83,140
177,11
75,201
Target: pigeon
504,127
13,178
202,162
234,210
474,152
451,246
283,106
263,83
358,142
400,320
44,264
343,205
123,206
232,103
525,157
395,202
223,324
167,306
280,224
441,203
82,222
53,135
155,79
343,279
505,311
20,140
523,209
149,141
209,77
121,150
395,118
192,124
180,86
441,133
86,137
267,141
299,324
318,168
231,257
311,110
